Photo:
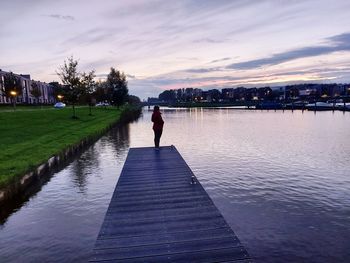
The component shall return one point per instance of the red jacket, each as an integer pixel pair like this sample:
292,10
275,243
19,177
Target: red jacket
157,121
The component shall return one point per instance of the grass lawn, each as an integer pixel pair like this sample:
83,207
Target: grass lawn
28,137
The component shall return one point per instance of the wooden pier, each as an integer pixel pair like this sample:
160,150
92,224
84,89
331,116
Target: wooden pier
159,212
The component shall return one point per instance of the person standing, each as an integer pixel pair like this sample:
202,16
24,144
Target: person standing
157,125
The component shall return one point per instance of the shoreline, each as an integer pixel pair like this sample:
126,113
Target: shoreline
21,183
256,107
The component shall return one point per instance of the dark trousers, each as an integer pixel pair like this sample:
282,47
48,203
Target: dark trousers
157,135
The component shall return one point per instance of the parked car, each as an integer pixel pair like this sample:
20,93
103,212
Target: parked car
59,105
100,104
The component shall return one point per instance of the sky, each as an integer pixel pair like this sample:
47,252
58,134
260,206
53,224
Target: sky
178,44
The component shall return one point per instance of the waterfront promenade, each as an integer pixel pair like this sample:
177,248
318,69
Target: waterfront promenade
159,212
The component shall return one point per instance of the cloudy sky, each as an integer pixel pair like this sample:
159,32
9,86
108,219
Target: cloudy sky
178,44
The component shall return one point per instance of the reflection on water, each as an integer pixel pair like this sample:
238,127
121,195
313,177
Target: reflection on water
84,167
281,179
61,222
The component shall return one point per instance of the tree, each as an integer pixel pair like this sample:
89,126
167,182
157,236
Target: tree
70,77
117,86
36,91
58,90
100,92
88,83
167,95
134,100
12,86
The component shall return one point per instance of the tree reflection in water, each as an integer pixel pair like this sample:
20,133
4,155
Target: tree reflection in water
81,165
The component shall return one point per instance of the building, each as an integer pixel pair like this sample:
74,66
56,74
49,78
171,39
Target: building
228,94
47,91
279,92
239,93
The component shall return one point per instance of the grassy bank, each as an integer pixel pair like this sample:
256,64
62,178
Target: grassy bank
30,137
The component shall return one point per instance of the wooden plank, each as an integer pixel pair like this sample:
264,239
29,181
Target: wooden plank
169,249
160,207
164,238
160,212
157,215
232,254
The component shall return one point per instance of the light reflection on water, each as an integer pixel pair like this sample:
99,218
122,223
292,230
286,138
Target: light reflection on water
281,179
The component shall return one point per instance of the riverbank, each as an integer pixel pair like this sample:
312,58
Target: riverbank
204,104
32,141
264,105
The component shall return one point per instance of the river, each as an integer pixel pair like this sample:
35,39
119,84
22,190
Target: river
281,180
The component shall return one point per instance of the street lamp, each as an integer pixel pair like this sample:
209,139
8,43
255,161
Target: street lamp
60,97
13,93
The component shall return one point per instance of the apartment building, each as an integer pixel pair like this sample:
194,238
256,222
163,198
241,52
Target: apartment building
47,91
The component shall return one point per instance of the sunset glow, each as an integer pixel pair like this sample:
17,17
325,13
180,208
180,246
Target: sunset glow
162,44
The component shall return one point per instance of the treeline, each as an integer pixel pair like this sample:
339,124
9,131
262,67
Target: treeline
75,88
80,87
307,92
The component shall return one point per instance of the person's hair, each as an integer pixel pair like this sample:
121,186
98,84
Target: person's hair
156,108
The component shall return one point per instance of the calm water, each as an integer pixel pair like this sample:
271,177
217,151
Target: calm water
282,181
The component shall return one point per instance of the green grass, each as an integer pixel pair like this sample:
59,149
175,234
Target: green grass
28,137
4,108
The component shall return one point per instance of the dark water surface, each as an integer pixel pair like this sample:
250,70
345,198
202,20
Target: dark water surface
282,181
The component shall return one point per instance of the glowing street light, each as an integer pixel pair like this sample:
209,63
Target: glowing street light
59,97
13,93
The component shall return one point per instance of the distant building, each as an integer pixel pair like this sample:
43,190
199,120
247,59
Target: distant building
153,101
228,94
197,94
305,92
205,95
279,92
251,94
47,91
265,93
239,93
213,95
